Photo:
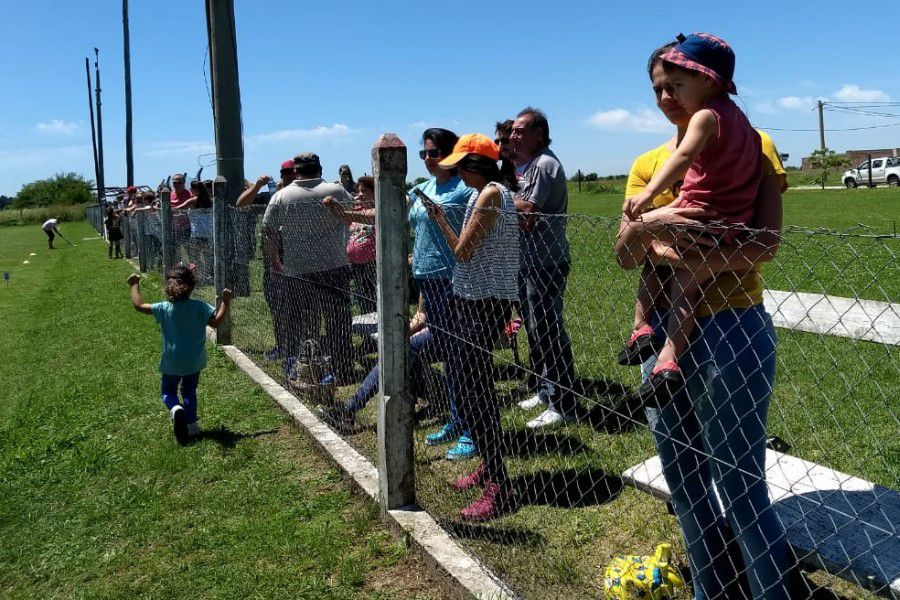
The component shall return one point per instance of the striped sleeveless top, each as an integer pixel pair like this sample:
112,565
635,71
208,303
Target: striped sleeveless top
493,270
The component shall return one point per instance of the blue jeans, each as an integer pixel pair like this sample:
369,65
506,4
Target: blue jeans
420,354
188,393
541,289
716,434
437,299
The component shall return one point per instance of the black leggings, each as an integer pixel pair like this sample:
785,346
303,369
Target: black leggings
479,324
50,235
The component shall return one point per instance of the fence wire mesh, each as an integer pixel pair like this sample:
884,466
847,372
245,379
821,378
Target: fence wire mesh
537,449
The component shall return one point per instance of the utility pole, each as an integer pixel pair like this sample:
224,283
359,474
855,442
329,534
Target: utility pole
226,96
129,157
87,71
821,126
226,93
101,186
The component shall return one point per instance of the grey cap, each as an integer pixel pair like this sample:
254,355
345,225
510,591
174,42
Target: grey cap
306,159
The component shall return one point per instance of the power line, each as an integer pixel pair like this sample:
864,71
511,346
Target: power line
832,130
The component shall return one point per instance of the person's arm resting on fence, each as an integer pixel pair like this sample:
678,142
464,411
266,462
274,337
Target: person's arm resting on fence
702,128
137,301
222,311
418,321
487,207
363,215
248,196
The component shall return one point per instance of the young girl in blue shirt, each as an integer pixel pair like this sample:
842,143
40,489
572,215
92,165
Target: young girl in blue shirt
183,323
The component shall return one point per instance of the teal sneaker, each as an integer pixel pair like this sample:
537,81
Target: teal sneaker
464,448
445,435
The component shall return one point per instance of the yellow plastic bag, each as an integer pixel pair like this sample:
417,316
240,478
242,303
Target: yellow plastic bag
645,577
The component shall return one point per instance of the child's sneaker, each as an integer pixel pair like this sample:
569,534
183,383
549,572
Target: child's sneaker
179,425
664,382
642,344
445,435
464,449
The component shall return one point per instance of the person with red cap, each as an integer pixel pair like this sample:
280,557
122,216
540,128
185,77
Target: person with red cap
722,154
485,286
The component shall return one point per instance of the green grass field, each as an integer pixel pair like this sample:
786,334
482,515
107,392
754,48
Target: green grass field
835,400
98,501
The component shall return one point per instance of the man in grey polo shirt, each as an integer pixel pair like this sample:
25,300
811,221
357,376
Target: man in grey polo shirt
542,201
312,276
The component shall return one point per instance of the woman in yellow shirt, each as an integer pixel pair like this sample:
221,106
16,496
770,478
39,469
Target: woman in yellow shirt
715,431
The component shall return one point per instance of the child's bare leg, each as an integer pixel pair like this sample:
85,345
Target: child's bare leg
682,320
648,292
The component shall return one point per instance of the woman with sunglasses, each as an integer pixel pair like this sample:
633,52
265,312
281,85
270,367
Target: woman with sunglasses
432,268
485,285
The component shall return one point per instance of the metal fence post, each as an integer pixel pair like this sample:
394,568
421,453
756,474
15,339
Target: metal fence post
165,231
140,241
396,473
221,264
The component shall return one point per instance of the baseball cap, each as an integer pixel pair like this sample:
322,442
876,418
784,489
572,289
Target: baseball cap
287,165
131,188
306,159
472,143
706,54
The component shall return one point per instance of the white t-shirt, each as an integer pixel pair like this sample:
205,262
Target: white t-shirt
50,224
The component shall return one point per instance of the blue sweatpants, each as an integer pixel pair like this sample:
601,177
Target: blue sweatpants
188,393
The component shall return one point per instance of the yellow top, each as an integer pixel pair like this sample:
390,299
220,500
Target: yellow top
729,289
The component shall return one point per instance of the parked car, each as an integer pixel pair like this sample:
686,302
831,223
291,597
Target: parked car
885,169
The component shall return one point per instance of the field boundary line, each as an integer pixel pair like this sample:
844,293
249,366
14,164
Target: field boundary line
466,576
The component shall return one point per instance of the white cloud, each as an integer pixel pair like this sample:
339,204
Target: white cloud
642,120
57,127
796,102
336,131
423,125
853,93
174,148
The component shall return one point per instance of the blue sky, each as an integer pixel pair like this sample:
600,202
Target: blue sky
331,76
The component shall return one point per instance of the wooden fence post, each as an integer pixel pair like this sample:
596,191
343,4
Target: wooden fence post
221,264
166,237
396,469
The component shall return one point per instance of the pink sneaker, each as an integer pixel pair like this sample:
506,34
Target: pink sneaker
494,502
473,479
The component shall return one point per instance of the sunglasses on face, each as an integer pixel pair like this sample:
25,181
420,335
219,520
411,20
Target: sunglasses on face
430,153
501,141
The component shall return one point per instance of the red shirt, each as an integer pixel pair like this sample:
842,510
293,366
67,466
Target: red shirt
725,177
180,221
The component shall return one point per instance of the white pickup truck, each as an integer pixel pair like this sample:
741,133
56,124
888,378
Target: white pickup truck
885,169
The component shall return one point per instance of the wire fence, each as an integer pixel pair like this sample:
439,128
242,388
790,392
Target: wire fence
776,448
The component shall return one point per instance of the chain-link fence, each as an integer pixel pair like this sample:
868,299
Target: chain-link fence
544,439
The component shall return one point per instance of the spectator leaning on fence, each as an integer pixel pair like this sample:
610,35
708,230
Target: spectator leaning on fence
714,432
361,248
312,276
485,286
251,196
199,208
181,223
545,267
503,130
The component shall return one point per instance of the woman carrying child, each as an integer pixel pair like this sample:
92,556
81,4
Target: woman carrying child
713,433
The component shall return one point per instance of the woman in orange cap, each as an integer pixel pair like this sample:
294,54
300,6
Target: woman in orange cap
484,287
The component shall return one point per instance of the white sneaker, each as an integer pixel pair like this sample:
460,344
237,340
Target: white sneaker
532,403
548,418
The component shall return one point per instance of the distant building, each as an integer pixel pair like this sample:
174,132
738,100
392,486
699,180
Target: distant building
854,157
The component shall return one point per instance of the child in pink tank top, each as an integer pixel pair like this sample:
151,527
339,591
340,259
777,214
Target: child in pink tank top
722,154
